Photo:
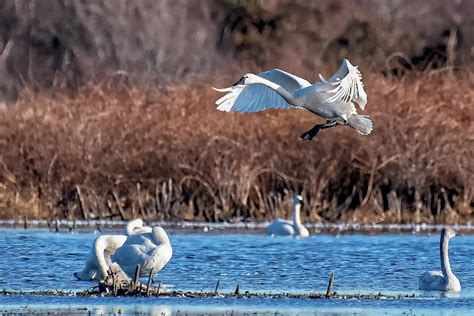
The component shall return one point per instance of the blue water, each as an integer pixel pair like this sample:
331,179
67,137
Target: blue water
37,259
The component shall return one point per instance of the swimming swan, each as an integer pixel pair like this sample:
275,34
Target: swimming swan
136,227
98,259
149,250
443,280
331,99
283,227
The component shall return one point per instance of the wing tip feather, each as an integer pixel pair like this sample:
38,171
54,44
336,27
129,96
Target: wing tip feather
222,89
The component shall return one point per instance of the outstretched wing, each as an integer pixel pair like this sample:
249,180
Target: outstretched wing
348,86
258,97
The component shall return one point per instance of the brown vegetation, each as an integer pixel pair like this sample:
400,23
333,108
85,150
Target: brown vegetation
166,153
147,140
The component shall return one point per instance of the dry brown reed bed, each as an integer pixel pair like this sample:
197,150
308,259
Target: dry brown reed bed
167,154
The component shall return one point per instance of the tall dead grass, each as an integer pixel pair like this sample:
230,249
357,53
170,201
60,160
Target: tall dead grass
167,154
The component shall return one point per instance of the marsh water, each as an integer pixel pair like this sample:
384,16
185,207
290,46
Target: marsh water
37,259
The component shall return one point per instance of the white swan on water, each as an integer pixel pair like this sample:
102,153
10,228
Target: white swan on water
149,250
98,259
283,227
136,227
443,280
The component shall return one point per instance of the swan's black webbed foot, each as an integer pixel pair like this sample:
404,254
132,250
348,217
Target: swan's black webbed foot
309,135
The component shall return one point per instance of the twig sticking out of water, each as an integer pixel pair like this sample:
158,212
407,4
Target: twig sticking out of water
25,223
150,276
217,286
158,289
114,284
329,292
135,278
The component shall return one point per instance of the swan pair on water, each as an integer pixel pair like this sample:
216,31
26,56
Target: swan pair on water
142,245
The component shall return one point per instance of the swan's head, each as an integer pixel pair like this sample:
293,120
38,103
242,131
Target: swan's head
298,199
450,233
136,227
85,276
248,79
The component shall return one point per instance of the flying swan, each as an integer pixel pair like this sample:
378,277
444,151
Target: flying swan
283,227
150,250
331,99
443,280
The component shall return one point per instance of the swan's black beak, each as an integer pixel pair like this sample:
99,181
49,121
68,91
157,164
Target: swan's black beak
459,234
241,81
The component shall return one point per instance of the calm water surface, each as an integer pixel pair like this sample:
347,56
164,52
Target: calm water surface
37,259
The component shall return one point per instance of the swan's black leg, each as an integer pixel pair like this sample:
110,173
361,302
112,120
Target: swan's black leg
310,134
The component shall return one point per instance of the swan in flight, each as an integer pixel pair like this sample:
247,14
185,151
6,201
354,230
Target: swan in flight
136,227
150,250
98,259
443,280
331,99
283,227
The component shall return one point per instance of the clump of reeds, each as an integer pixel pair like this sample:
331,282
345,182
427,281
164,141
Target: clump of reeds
167,154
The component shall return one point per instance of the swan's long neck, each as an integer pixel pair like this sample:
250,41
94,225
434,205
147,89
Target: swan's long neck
296,213
99,248
278,89
162,237
443,248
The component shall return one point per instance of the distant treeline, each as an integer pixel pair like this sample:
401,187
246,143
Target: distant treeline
62,44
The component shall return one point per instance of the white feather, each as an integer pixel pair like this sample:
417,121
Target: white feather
258,97
348,86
